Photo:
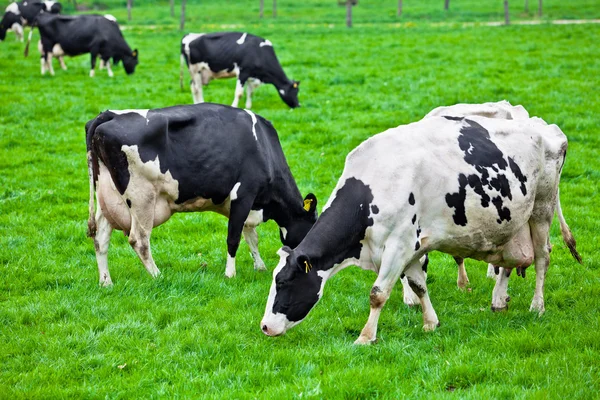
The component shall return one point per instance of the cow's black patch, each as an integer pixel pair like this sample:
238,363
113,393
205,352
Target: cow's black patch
425,264
374,209
483,154
411,199
418,231
519,175
128,203
453,118
414,219
417,245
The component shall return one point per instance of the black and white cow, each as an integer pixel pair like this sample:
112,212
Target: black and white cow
24,13
471,187
74,35
249,58
145,165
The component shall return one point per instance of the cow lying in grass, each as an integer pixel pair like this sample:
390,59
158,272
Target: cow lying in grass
471,187
146,165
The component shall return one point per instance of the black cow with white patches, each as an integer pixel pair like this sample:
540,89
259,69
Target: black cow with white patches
249,58
429,185
97,35
145,165
24,13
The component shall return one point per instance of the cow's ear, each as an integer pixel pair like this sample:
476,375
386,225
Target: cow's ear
135,53
304,263
296,84
310,204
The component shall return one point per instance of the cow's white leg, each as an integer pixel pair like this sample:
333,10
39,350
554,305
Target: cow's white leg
500,292
102,64
18,30
491,272
391,268
238,214
251,85
49,63
43,65
196,86
251,237
101,243
230,267
239,91
410,298
93,64
61,59
462,280
110,72
539,236
142,220
417,280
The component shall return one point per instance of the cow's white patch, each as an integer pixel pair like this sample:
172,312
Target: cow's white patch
230,268
18,30
57,50
282,92
233,194
49,4
110,17
283,232
143,113
187,39
255,218
242,39
14,8
253,123
266,43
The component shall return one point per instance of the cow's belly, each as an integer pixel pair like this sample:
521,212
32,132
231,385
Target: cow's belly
207,74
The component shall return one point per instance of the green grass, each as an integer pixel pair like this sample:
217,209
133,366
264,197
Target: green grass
192,333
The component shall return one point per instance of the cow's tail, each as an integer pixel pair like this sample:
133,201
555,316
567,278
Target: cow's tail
566,232
181,62
28,41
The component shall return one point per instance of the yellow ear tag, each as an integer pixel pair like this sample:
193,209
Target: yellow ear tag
307,266
307,204
295,85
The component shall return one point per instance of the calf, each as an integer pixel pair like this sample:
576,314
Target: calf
471,187
145,165
24,13
95,34
250,59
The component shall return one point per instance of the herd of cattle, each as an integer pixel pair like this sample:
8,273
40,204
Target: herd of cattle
474,181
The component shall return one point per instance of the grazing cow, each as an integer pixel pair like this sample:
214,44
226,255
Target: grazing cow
18,15
471,187
145,165
248,58
95,34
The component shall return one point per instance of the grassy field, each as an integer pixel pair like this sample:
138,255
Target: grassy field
192,333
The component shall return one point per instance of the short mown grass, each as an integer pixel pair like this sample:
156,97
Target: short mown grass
193,333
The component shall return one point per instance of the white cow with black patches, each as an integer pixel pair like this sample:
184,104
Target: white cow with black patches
249,58
146,165
472,187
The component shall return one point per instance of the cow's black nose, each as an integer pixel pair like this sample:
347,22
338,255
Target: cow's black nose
264,328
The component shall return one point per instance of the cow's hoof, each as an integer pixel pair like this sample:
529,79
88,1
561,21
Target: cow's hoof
462,285
106,284
363,340
537,306
507,299
500,308
230,274
431,326
260,267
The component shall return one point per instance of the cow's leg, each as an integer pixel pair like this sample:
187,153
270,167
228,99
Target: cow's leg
239,91
500,293
410,298
142,222
240,208
251,237
43,64
93,64
196,86
251,85
108,69
462,280
417,278
539,236
491,271
102,64
49,63
61,59
391,268
101,243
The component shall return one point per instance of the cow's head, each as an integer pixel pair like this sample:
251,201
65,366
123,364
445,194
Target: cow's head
7,22
293,234
130,61
289,93
296,288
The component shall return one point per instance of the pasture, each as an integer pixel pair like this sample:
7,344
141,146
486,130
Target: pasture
193,333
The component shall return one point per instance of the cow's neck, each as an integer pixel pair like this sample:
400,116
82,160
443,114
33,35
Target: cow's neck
276,76
285,206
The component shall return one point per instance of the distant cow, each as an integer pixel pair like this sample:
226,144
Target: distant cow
248,58
471,187
145,165
95,34
24,13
